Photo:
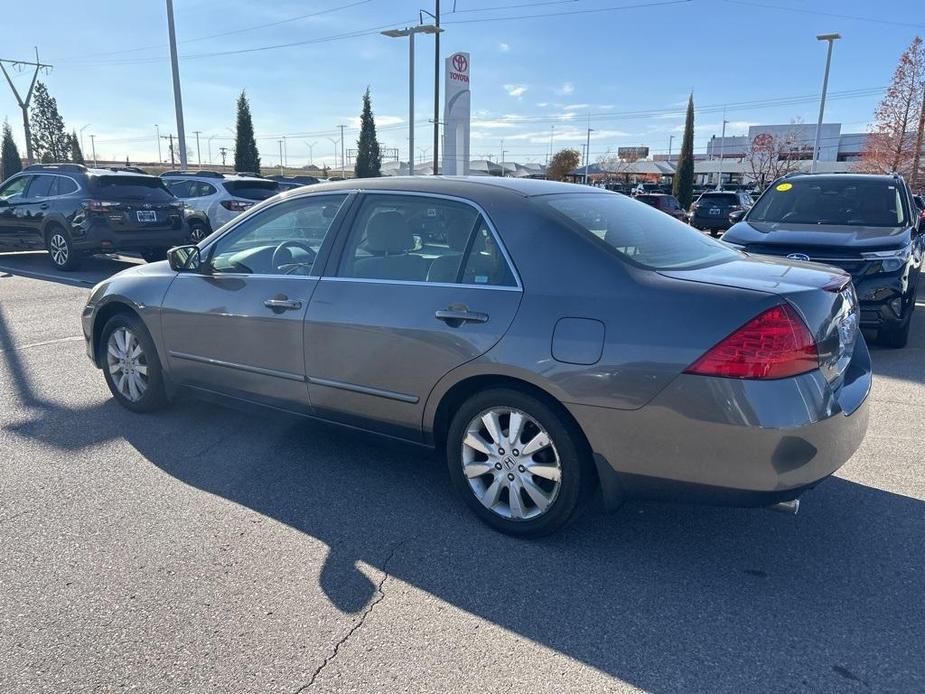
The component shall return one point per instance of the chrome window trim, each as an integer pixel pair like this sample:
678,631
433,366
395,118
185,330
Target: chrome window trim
453,198
217,275
419,283
49,173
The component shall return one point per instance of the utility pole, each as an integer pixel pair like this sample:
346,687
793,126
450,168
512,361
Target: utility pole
178,100
93,145
552,134
343,166
223,151
160,157
831,38
24,103
588,149
285,152
722,148
198,153
437,88
670,141
280,157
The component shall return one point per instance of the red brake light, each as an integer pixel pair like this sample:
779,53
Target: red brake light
775,344
236,205
100,205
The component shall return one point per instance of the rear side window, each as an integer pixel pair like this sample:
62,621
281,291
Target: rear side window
66,186
136,188
639,233
252,190
179,188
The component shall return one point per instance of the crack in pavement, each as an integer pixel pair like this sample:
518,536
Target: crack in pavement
72,338
379,598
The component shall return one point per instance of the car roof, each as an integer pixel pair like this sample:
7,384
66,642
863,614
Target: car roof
458,185
845,176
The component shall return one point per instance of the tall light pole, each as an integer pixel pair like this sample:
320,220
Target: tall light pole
334,142
722,149
209,145
588,149
670,141
160,157
410,32
93,145
285,152
311,153
343,163
198,152
82,137
831,38
437,89
175,68
280,157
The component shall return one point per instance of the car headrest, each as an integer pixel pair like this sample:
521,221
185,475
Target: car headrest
457,234
387,232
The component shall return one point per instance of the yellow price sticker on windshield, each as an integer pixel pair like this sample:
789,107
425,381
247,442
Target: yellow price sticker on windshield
784,187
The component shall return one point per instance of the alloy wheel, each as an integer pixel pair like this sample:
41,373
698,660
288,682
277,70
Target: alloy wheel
511,463
127,363
197,233
58,248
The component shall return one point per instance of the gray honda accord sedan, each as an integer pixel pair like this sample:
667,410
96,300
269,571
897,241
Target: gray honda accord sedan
549,339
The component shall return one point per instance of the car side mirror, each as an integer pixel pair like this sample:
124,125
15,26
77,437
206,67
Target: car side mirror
736,216
185,259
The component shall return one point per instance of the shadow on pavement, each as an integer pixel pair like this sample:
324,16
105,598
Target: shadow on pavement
35,264
664,597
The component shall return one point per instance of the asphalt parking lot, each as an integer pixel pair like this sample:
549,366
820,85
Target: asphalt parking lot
205,549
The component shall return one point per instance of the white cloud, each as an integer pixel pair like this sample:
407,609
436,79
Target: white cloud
515,90
504,47
543,104
577,107
566,88
508,120
380,121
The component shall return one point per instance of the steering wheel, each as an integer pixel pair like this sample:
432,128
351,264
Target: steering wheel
282,256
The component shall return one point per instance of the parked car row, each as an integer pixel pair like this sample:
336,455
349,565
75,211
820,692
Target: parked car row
73,211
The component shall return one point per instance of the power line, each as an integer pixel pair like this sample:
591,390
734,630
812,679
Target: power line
24,102
571,12
800,10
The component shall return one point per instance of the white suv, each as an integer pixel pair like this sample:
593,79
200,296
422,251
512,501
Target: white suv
220,197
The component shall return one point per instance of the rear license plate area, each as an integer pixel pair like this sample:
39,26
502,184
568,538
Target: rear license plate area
146,216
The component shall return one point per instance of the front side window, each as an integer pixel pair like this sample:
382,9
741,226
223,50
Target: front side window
638,232
830,201
41,187
14,188
283,239
410,238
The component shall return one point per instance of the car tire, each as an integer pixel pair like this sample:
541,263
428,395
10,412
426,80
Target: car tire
130,364
543,503
154,255
197,232
896,337
60,249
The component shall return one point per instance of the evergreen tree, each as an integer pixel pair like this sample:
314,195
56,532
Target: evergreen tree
683,187
50,141
246,156
10,162
77,155
369,158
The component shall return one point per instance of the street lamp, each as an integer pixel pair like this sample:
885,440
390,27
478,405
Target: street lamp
831,38
82,137
209,145
157,130
410,32
311,153
334,141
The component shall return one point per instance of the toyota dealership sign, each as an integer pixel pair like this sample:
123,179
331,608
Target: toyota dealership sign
456,116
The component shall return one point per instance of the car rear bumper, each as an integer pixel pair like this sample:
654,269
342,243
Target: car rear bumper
728,441
705,223
97,237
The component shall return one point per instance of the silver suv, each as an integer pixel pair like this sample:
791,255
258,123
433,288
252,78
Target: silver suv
220,197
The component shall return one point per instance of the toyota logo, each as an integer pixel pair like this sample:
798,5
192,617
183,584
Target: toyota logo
798,256
460,62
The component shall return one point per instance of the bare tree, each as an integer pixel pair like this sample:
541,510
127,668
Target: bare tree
891,145
771,157
613,166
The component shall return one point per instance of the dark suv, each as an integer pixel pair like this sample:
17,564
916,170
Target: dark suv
73,211
666,203
868,225
712,209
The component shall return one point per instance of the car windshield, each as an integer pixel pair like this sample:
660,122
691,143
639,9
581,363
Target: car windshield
718,199
638,232
145,188
841,201
252,190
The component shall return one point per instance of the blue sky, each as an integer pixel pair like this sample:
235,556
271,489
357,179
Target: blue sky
630,69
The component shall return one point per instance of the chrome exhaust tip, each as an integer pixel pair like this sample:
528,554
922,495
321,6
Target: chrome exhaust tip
792,507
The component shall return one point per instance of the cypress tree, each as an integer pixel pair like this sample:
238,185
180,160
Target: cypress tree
369,158
10,162
49,139
683,187
77,155
246,156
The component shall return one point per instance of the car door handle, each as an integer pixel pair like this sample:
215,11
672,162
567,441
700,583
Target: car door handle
283,304
456,317
43,206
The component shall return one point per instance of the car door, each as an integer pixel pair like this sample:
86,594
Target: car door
236,327
35,203
12,225
397,308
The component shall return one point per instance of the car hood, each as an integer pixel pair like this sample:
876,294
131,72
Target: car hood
785,235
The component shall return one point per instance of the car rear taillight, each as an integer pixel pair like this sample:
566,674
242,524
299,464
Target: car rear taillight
775,344
236,205
100,205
